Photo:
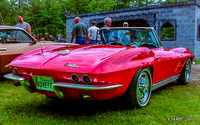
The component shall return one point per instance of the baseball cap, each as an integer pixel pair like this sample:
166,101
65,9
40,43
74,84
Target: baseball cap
125,23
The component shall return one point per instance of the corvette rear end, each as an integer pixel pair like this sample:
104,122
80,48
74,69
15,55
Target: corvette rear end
131,69
56,74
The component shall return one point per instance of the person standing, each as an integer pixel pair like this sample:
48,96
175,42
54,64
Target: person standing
59,38
107,22
23,24
80,31
109,36
123,38
92,32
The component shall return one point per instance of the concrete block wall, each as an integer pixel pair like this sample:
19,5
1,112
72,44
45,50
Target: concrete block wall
184,26
197,41
183,16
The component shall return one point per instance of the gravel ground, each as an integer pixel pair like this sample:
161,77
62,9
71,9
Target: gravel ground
195,76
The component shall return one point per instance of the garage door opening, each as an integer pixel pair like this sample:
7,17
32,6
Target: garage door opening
132,23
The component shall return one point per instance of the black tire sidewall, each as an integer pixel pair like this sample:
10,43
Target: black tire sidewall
182,79
131,91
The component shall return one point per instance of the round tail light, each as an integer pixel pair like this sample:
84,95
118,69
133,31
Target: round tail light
75,78
16,71
11,69
86,78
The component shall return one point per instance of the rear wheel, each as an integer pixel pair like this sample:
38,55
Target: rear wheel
139,91
185,74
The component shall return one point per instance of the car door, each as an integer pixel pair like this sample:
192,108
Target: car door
167,60
167,63
13,43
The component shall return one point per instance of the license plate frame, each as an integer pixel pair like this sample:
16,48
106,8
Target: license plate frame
43,82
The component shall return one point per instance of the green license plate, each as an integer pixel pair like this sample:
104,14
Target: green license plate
43,83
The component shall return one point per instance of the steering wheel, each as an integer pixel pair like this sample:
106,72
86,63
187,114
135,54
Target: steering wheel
112,43
148,45
133,44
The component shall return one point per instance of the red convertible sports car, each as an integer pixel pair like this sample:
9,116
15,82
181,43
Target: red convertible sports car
130,63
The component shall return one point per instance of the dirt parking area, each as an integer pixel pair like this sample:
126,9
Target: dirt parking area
195,76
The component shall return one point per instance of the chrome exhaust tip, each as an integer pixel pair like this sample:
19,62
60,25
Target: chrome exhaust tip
58,92
17,84
84,95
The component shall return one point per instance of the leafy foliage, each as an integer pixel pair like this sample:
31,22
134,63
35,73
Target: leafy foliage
168,32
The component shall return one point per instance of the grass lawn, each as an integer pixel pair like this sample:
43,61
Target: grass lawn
197,61
172,104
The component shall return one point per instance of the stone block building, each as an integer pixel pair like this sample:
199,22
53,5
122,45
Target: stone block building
181,18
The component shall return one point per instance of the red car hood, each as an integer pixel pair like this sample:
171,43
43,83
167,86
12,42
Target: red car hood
79,58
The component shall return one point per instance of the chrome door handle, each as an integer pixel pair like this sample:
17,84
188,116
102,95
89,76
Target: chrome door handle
3,49
158,58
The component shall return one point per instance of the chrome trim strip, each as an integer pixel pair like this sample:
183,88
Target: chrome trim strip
164,82
86,87
13,77
3,49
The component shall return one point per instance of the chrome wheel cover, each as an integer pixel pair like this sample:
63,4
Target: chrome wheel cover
144,87
187,70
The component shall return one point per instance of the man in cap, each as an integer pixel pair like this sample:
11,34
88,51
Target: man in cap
124,39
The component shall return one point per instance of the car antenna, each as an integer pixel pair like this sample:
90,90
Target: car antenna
42,50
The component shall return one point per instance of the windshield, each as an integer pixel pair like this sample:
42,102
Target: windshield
129,37
14,36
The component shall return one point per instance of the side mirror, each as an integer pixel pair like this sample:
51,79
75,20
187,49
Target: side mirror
34,42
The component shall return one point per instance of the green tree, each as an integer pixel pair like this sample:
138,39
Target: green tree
47,17
5,11
88,6
50,20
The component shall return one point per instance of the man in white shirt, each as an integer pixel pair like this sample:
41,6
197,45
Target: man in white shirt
92,32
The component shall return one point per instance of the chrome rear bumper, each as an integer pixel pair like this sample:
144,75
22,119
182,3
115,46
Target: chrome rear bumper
13,77
22,80
85,87
58,85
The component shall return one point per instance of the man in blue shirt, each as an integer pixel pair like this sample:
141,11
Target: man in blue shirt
123,38
108,34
